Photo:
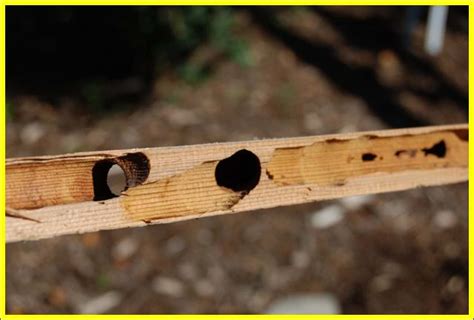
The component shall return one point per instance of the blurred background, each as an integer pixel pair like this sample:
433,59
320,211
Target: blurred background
96,78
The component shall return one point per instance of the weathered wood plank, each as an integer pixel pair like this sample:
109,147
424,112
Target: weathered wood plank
54,195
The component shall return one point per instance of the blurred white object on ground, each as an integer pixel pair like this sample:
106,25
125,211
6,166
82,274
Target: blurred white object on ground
101,304
355,202
168,286
327,216
316,303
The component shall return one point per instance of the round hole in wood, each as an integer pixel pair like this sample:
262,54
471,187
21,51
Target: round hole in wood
240,172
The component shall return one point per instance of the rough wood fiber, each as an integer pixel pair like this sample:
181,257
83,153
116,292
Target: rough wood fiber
54,195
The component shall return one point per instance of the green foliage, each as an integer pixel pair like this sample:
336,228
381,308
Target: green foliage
192,26
188,25
222,37
193,74
239,51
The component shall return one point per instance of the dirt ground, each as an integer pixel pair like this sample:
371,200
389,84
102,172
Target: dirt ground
314,71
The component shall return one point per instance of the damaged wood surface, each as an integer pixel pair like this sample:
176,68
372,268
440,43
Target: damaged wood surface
316,164
55,195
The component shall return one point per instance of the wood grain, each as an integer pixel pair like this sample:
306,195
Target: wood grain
55,195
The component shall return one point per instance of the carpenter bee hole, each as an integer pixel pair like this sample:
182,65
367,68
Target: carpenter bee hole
368,156
112,176
438,149
240,172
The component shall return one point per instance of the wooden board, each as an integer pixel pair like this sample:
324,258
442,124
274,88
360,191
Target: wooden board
55,195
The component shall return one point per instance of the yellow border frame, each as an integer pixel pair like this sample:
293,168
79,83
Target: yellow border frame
3,99
235,2
4,3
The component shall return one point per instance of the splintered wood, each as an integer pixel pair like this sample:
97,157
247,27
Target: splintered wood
55,195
